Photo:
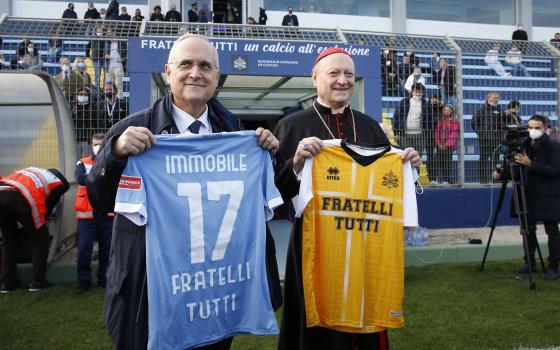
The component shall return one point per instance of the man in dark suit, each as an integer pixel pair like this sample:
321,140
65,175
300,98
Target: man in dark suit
193,13
69,12
193,73
290,19
173,15
124,16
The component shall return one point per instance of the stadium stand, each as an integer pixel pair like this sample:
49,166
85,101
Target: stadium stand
465,68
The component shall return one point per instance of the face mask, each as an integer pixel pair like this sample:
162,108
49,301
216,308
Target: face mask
81,66
30,49
109,94
65,67
535,134
95,149
416,98
83,99
100,33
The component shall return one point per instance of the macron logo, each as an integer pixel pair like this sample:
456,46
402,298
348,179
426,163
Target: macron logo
130,182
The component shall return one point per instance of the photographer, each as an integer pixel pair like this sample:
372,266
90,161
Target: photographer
540,163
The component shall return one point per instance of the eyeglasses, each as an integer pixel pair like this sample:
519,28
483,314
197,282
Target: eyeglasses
187,65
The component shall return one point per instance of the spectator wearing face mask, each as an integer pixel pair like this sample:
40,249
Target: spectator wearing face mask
69,12
70,82
86,114
31,60
79,67
92,225
492,59
92,12
102,13
113,109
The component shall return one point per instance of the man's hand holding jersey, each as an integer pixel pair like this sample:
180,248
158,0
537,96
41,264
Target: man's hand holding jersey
310,146
137,139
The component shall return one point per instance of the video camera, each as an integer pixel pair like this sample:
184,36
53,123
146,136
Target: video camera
514,140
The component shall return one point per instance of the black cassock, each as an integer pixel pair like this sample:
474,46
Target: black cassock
294,333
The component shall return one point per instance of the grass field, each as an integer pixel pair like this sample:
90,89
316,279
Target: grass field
447,307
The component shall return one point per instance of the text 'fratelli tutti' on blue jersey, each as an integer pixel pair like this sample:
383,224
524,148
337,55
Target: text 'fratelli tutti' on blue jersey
205,200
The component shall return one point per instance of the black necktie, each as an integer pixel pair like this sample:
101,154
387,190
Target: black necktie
195,126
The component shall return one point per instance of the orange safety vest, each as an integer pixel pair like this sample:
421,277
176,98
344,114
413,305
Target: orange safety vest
84,209
35,185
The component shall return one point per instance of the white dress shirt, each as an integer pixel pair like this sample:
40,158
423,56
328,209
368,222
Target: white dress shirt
183,120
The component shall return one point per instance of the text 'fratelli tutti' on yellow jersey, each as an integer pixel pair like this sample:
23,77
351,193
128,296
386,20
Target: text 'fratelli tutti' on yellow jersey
355,202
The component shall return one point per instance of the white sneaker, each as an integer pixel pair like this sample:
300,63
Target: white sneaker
434,182
445,183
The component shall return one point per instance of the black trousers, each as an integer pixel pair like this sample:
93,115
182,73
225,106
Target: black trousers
13,209
488,158
551,229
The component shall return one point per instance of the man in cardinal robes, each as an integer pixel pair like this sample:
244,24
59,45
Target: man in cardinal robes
300,135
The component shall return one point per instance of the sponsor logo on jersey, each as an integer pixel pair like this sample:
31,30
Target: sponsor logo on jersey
130,182
333,173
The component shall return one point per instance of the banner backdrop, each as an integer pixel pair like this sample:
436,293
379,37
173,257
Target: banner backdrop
253,58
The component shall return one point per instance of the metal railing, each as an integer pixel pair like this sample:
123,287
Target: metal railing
459,72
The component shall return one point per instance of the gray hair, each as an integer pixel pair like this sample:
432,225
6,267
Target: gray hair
191,35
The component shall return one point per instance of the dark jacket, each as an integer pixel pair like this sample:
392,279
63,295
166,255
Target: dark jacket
124,17
92,14
173,16
542,179
488,118
448,79
262,16
69,14
401,113
157,17
519,34
112,10
290,18
126,303
193,16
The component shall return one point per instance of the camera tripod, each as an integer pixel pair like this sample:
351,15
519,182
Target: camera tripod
520,203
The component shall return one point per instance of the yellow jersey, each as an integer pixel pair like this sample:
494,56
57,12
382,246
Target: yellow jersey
355,203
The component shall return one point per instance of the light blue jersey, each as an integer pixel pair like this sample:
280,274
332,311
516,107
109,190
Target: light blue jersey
205,199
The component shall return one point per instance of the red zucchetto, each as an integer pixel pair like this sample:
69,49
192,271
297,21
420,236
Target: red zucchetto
330,51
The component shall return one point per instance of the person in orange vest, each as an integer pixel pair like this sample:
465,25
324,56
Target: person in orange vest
92,225
27,196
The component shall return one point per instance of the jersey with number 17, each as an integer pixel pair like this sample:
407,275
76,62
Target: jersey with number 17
205,200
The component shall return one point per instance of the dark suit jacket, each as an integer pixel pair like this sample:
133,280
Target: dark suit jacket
290,18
